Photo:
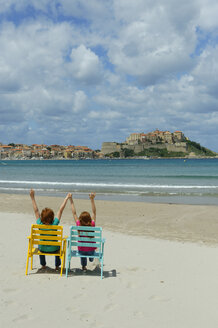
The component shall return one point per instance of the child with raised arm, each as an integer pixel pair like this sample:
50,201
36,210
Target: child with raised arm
85,219
47,217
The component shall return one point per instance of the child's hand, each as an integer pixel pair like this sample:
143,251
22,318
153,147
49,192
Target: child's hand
32,193
92,195
69,195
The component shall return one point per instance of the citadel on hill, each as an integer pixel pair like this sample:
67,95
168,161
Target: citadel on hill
157,143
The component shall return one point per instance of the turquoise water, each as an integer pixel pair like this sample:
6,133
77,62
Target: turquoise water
157,180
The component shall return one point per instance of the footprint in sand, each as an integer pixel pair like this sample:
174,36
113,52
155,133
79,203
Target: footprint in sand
158,298
71,309
9,290
20,318
90,321
139,314
99,325
110,294
110,307
85,317
131,285
8,302
133,269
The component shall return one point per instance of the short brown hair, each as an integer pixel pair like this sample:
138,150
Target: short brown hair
47,216
85,219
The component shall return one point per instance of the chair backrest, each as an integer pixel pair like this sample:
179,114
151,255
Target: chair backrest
42,234
85,237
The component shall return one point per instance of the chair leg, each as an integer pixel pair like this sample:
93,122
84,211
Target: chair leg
101,268
67,261
31,262
64,259
27,263
67,264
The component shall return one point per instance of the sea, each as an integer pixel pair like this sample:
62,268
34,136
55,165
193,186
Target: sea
182,181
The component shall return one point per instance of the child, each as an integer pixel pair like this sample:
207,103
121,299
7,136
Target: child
85,219
47,217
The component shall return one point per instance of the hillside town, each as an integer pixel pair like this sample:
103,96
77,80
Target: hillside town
35,151
152,144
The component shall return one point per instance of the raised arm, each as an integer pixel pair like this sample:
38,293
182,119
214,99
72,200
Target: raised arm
35,207
62,207
92,197
73,209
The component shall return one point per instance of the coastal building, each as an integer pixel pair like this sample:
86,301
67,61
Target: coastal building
155,137
133,138
178,135
6,148
42,151
168,137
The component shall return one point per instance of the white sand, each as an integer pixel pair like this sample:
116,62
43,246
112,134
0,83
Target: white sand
147,283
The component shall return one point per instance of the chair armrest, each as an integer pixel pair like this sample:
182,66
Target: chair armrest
102,246
67,241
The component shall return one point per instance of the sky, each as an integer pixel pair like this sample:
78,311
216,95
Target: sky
82,72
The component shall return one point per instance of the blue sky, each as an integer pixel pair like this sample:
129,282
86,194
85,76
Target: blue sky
84,72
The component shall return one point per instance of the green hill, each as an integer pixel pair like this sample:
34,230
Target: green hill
193,149
198,149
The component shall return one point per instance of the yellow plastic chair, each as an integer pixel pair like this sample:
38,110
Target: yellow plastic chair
52,235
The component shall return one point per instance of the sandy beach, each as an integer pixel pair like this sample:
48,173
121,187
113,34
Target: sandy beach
160,268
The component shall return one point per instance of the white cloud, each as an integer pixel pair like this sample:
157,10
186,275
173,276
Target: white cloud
33,53
208,14
154,46
206,72
85,65
109,114
80,101
115,67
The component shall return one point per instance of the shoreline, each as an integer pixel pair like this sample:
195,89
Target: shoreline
130,198
106,158
176,222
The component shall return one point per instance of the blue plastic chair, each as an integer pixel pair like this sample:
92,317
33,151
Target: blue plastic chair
85,236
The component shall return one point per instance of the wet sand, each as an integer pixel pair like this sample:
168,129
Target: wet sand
193,223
